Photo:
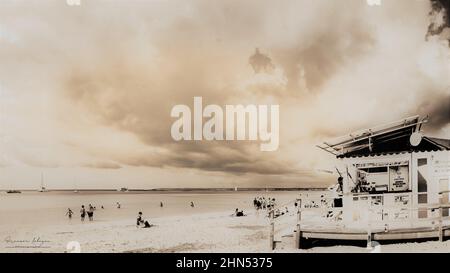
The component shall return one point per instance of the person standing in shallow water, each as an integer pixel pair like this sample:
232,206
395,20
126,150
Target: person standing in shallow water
90,213
192,204
82,213
161,204
69,213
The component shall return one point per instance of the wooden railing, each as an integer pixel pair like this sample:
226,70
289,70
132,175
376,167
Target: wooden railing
370,210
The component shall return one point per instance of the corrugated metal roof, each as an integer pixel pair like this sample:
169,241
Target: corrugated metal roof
387,153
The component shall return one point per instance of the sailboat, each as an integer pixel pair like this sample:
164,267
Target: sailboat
42,189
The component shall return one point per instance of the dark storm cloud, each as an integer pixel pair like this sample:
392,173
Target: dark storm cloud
440,13
320,57
438,109
124,67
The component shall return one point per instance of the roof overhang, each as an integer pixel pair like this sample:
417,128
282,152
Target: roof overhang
367,138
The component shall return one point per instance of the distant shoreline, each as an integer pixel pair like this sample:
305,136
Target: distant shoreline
159,190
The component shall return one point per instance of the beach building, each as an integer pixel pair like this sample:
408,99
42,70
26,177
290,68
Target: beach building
396,183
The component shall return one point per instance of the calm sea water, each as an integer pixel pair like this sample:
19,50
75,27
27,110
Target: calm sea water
40,209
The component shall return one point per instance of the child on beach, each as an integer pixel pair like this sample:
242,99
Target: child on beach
147,224
238,213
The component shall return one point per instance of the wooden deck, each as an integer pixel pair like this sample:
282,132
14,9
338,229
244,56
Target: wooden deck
431,227
376,235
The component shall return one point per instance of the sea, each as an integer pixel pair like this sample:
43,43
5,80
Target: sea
39,209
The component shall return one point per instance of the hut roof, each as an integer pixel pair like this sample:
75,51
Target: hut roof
385,139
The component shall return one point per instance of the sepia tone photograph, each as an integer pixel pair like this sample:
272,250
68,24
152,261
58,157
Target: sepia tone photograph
230,126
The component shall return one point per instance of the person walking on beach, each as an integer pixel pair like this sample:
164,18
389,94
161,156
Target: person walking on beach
82,213
161,204
69,213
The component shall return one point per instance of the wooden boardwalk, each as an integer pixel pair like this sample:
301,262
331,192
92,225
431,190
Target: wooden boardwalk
434,227
362,235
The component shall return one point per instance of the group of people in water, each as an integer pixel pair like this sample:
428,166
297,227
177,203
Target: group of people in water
140,222
89,212
261,202
269,204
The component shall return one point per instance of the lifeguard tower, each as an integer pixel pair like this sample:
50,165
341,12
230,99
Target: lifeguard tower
395,185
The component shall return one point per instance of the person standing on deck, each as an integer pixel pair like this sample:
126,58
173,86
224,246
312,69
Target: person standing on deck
340,185
338,193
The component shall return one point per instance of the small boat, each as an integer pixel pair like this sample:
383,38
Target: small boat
13,191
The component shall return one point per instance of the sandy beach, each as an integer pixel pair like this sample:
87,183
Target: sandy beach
203,232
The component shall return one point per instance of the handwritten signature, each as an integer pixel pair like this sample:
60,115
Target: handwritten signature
35,242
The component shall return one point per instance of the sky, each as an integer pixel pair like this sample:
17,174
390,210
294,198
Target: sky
86,91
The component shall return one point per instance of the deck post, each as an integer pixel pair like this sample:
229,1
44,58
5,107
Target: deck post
272,231
299,211
369,228
441,233
298,236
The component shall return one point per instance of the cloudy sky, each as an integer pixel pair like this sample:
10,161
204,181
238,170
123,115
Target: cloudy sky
86,91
